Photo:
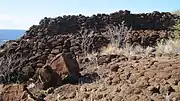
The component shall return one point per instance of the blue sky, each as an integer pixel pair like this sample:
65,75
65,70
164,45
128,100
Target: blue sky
21,14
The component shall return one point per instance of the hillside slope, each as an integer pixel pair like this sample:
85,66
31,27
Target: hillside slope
52,54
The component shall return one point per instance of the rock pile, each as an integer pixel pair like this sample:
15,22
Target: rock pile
19,59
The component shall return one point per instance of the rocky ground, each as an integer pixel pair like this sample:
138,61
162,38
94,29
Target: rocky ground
122,79
49,62
126,79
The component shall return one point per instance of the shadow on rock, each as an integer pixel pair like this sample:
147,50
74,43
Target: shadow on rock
89,78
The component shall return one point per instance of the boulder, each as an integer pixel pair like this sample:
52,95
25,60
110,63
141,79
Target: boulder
46,77
66,65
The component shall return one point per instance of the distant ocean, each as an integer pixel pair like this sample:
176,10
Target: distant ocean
10,34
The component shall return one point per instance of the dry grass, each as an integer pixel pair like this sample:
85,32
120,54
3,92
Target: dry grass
119,34
127,51
110,49
171,46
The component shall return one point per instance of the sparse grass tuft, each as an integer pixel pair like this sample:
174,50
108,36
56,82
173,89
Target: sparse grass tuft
127,51
118,36
170,46
110,49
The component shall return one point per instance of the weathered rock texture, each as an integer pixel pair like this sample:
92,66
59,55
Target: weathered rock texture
65,64
13,93
19,59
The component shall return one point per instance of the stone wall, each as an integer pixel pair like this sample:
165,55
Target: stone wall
72,23
19,59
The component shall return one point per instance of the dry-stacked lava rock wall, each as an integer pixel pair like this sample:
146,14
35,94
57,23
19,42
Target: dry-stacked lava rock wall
20,58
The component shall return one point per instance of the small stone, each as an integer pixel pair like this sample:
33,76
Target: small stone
149,74
152,55
163,75
103,59
101,89
175,96
141,84
117,98
137,91
50,90
85,95
115,80
83,89
164,89
126,90
108,81
123,58
176,88
133,98
99,96
72,95
117,89
40,34
40,64
157,97
138,57
55,51
39,61
41,97
133,58
114,68
136,61
153,89
172,81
